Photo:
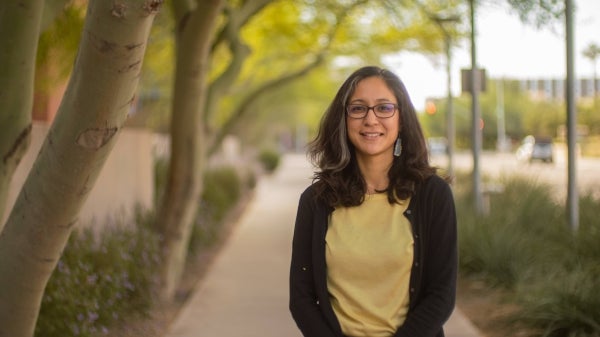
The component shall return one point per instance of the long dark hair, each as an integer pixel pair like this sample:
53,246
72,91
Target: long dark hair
338,180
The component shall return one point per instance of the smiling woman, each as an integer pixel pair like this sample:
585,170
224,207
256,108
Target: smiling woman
373,134
374,248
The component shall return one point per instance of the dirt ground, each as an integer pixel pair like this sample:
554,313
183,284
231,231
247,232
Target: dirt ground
487,308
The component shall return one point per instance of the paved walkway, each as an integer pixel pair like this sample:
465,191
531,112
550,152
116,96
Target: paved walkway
245,293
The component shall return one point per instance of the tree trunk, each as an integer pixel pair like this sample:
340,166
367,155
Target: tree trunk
19,29
177,211
92,113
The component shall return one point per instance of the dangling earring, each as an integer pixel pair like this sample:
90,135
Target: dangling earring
398,147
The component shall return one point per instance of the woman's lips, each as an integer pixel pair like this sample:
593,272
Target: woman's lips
371,134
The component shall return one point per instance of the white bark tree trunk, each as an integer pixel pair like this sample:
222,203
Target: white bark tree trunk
177,211
19,30
92,113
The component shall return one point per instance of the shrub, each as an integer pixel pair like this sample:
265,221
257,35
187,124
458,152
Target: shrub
161,166
269,160
101,278
502,246
564,300
222,191
565,303
525,245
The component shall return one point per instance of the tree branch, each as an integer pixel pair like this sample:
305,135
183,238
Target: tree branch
243,108
246,12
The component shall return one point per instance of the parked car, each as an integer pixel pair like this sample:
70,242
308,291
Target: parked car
437,145
536,148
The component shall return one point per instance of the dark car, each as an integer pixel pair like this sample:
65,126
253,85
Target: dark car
536,148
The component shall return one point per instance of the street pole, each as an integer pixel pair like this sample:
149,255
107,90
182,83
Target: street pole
501,127
449,108
441,22
476,123
572,192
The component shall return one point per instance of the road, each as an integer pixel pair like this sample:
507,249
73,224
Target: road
496,165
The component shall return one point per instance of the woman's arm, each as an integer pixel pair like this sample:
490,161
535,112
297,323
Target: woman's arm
304,305
440,263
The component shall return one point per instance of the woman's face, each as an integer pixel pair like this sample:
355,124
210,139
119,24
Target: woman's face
373,136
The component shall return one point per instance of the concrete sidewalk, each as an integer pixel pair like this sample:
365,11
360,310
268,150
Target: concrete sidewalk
245,293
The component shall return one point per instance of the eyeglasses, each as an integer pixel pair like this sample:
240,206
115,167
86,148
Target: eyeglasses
383,110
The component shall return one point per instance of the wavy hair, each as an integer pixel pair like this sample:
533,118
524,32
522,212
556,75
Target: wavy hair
338,180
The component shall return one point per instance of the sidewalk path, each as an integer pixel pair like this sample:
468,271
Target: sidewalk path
245,292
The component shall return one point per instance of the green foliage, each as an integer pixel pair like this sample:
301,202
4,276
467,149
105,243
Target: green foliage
223,188
161,167
288,35
564,303
524,245
269,159
101,279
58,45
538,12
156,82
488,244
587,114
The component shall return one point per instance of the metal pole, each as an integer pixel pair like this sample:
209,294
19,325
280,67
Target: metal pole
450,129
476,123
449,108
595,80
572,192
501,127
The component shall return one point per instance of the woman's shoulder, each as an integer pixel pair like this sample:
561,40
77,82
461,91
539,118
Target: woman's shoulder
437,180
309,194
312,195
435,183
310,190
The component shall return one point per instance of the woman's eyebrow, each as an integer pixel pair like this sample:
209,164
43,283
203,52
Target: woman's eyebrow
360,100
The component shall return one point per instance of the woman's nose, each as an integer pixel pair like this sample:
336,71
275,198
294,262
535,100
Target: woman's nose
370,118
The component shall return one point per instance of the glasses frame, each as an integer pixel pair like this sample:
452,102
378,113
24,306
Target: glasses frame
371,108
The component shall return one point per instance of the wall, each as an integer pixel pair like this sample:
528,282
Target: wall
126,180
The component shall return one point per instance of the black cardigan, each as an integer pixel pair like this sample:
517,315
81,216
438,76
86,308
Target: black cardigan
432,215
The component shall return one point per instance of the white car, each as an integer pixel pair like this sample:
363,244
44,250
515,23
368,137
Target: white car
437,146
536,149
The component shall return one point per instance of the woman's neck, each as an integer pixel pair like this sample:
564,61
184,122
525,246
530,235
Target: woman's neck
375,173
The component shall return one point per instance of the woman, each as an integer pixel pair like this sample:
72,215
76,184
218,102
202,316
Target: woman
374,249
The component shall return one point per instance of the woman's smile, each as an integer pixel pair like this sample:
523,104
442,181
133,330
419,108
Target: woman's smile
371,135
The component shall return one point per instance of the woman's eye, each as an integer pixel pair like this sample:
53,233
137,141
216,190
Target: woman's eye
357,108
385,108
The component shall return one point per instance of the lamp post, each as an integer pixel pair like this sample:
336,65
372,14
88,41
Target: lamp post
441,22
476,130
572,192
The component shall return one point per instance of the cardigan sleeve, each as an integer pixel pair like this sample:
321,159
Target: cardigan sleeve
303,301
436,292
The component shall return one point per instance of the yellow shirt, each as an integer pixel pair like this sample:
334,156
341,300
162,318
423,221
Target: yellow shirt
369,253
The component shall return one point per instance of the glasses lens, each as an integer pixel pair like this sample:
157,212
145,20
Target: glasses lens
357,110
385,109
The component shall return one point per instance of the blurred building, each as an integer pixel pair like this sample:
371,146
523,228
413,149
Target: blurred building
554,89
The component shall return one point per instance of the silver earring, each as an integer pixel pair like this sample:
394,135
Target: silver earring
398,147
